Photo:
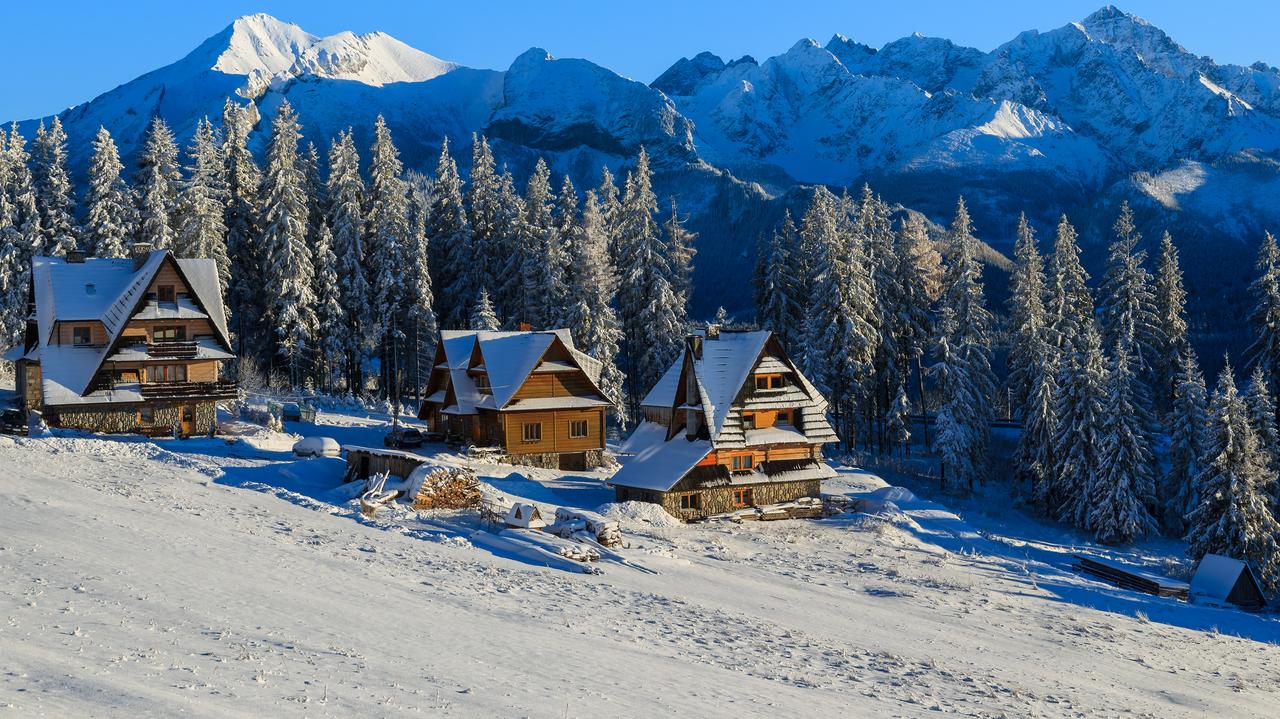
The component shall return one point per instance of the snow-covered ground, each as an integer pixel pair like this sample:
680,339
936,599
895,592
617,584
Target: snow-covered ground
228,579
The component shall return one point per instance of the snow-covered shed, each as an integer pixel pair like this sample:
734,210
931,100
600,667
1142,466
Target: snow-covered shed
525,516
1222,580
733,423
532,394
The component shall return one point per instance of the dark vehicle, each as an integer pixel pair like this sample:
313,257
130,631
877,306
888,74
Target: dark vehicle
13,421
403,438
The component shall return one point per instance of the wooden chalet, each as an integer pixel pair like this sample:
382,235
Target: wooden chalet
125,345
732,424
530,394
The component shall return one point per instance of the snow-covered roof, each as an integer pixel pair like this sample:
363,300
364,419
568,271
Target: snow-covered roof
658,464
774,435
107,291
663,394
507,358
206,349
723,369
772,365
1216,576
545,403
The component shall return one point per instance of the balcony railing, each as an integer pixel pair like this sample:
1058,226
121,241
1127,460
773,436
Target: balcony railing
189,390
179,349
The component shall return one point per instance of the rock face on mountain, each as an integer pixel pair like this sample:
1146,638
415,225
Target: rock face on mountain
1071,120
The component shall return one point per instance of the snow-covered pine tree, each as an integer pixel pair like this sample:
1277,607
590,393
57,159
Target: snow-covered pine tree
317,201
1234,517
650,310
1036,457
1127,299
541,257
420,323
483,317
970,343
289,270
1125,483
919,278
1262,416
484,211
778,305
21,240
331,317
1265,318
610,207
1188,421
202,231
681,251
1068,303
449,237
569,231
874,226
1171,320
508,292
1081,391
592,319
54,193
899,421
1027,318
242,218
346,218
158,180
109,221
389,234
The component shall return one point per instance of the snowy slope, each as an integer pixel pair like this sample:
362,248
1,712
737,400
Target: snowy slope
229,580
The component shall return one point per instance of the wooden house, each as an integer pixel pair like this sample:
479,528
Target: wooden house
530,394
1224,581
732,424
125,345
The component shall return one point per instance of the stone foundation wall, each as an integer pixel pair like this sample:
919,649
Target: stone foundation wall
110,421
551,460
719,500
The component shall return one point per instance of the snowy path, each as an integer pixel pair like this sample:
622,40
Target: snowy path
139,580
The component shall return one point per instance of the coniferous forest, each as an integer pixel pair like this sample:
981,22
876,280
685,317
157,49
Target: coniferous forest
339,266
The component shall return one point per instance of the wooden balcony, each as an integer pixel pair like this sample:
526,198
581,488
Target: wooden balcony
178,349
189,390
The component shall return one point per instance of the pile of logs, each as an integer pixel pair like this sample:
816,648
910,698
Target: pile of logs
583,525
447,488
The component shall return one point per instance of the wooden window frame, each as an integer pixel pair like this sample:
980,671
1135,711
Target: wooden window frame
146,415
81,330
530,437
169,290
179,333
573,429
167,373
691,501
742,462
744,497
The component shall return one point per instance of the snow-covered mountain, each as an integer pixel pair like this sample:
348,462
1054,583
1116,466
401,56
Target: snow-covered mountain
1069,120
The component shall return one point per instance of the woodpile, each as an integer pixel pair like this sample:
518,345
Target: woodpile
567,548
583,525
447,488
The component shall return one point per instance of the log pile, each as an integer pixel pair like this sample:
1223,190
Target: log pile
586,526
448,488
566,548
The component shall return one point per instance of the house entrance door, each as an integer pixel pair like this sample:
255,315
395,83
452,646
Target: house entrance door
188,419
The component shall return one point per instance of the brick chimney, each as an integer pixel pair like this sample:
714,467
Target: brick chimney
139,251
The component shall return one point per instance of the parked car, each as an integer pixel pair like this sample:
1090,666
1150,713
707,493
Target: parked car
13,421
317,447
291,412
403,438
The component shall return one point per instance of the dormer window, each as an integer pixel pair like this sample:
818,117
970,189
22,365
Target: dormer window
770,381
482,384
90,288
165,293
81,336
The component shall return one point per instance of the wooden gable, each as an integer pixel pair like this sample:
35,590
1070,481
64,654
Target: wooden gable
575,383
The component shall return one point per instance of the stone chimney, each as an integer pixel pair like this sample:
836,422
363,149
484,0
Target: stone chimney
713,331
694,343
139,251
75,255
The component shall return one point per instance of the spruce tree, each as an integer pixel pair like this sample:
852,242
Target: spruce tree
420,317
484,212
1124,484
483,317
1234,516
158,180
680,247
1068,303
1036,457
541,257
449,234
21,240
1171,320
1081,392
1265,318
54,193
242,218
569,232
1127,298
290,268
592,319
610,209
390,234
778,304
1188,422
346,218
1262,417
202,231
1027,320
109,222
330,315
920,271
508,293
899,421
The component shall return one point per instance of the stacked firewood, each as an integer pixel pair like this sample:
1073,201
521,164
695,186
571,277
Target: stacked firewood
448,488
583,525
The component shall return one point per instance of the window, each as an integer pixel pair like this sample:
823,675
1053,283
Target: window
749,420
482,384
770,381
690,501
81,336
165,293
146,415
578,428
742,463
742,497
532,431
169,334
167,373
784,416
188,413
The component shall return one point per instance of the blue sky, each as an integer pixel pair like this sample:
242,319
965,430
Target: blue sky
69,51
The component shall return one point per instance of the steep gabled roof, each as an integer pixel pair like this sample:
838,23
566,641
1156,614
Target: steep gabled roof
508,358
